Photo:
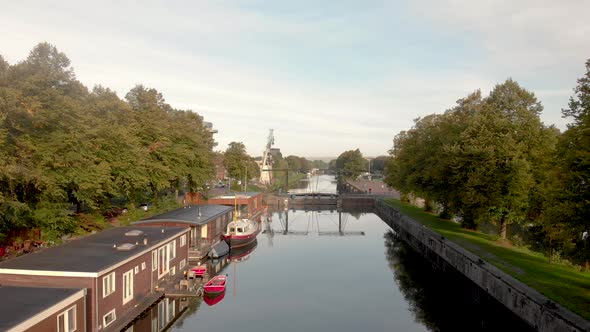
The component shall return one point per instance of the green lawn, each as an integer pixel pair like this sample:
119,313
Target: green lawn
562,283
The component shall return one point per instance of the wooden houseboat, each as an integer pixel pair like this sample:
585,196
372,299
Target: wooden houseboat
121,270
206,222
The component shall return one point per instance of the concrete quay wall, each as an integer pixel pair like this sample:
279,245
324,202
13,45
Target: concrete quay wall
534,308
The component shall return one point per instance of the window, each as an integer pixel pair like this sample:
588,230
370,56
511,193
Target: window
172,249
173,270
127,286
183,240
163,260
204,232
182,263
108,284
143,266
137,269
109,318
66,321
154,260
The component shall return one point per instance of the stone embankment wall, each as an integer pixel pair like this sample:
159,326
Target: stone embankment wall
536,309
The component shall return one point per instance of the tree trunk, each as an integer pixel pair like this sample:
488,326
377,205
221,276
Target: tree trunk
503,227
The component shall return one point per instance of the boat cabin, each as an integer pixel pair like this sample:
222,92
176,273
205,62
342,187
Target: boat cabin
239,227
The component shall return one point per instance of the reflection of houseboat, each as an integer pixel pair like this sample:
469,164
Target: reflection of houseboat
160,316
207,223
242,253
241,232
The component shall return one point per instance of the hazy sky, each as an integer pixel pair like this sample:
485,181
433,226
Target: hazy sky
327,76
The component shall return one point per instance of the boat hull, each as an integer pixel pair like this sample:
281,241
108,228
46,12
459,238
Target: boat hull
237,241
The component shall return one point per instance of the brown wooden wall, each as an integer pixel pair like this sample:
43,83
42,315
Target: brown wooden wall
50,323
57,282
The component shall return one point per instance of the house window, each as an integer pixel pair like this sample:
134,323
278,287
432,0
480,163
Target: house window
182,263
173,270
154,260
108,284
143,266
109,318
204,232
136,269
127,286
66,321
172,249
163,260
183,240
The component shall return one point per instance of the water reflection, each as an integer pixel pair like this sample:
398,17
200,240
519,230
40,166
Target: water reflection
296,277
445,301
160,316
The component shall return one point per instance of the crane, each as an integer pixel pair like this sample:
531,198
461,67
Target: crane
265,167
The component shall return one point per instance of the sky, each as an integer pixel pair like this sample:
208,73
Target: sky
327,76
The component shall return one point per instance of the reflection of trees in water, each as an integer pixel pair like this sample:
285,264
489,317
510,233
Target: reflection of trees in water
445,301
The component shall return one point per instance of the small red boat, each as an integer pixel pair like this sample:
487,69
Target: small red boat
199,270
215,285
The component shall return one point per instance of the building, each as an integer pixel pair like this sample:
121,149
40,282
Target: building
35,309
122,270
206,224
249,204
220,171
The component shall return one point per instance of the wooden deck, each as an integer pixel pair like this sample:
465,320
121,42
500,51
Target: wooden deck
185,287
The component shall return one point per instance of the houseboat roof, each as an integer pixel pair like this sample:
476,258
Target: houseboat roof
93,255
194,215
22,307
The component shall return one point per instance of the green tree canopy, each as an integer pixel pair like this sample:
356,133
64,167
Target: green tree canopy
350,164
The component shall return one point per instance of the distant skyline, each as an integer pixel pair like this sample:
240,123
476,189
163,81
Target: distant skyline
327,76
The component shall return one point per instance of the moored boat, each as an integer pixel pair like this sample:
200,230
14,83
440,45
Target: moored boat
216,285
220,249
240,233
199,270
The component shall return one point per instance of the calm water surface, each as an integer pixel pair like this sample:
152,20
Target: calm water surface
340,272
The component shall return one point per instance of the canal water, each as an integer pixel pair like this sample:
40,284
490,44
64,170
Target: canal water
331,271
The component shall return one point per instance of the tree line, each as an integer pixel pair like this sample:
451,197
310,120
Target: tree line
64,146
492,159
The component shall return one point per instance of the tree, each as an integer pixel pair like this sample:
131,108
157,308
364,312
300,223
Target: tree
61,144
238,163
378,164
574,192
350,164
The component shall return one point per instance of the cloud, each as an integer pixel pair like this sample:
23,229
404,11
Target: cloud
327,79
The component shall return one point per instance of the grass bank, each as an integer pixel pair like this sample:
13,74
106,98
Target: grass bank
561,282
